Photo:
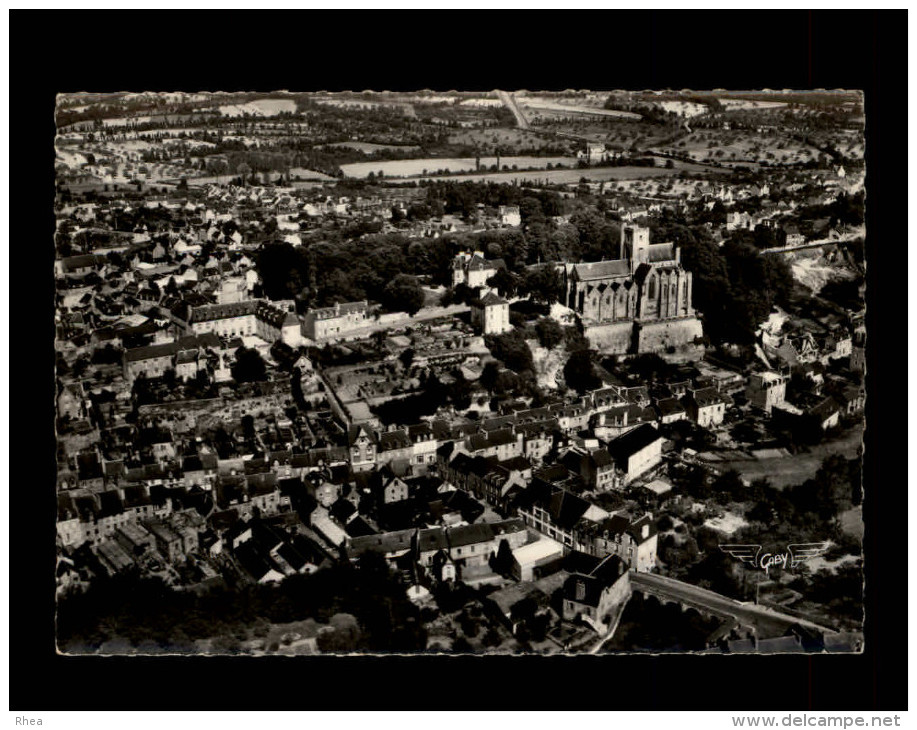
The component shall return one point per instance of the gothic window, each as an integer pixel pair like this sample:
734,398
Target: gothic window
651,292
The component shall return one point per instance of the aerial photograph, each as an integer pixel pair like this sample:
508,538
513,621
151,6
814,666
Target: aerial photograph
459,372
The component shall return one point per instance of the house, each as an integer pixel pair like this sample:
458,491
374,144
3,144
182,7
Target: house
152,361
595,466
503,444
473,270
528,559
766,390
705,406
537,439
555,512
633,541
246,318
594,152
670,410
390,488
169,543
739,221
113,557
362,443
636,452
593,596
827,412
391,545
71,402
852,400
256,564
485,477
510,215
473,545
329,323
490,314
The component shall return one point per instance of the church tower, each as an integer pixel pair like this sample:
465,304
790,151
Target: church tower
635,244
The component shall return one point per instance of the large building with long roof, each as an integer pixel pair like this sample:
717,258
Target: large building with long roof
639,302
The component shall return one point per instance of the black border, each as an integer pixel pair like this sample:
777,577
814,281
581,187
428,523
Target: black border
141,50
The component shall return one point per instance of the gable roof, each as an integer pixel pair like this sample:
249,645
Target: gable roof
631,442
602,270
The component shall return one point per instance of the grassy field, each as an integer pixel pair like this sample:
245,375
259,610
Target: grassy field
509,140
725,145
795,469
259,108
411,168
370,147
542,106
565,177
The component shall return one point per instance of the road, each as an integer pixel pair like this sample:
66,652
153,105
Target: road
766,621
847,237
510,102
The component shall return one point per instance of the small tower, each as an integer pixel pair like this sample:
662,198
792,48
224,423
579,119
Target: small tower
635,244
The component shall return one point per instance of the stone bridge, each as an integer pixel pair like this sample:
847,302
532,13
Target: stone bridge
765,621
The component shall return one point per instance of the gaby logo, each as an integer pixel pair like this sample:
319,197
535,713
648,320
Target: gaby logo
795,555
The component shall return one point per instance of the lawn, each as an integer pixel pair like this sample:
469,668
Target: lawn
741,145
568,177
795,469
422,166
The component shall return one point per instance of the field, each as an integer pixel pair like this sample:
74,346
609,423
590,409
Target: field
744,104
795,469
512,140
370,147
684,108
124,121
259,108
567,177
410,168
481,102
553,107
725,145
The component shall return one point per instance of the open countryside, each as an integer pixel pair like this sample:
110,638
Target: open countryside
416,168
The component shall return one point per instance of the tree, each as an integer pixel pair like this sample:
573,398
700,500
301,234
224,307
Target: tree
403,294
284,270
407,357
550,332
512,349
505,282
502,562
543,284
579,372
249,366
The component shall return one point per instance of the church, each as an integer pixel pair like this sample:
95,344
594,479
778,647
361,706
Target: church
640,302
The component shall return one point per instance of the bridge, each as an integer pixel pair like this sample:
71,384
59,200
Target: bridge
765,621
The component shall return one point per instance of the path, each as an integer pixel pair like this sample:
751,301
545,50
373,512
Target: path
510,102
845,238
